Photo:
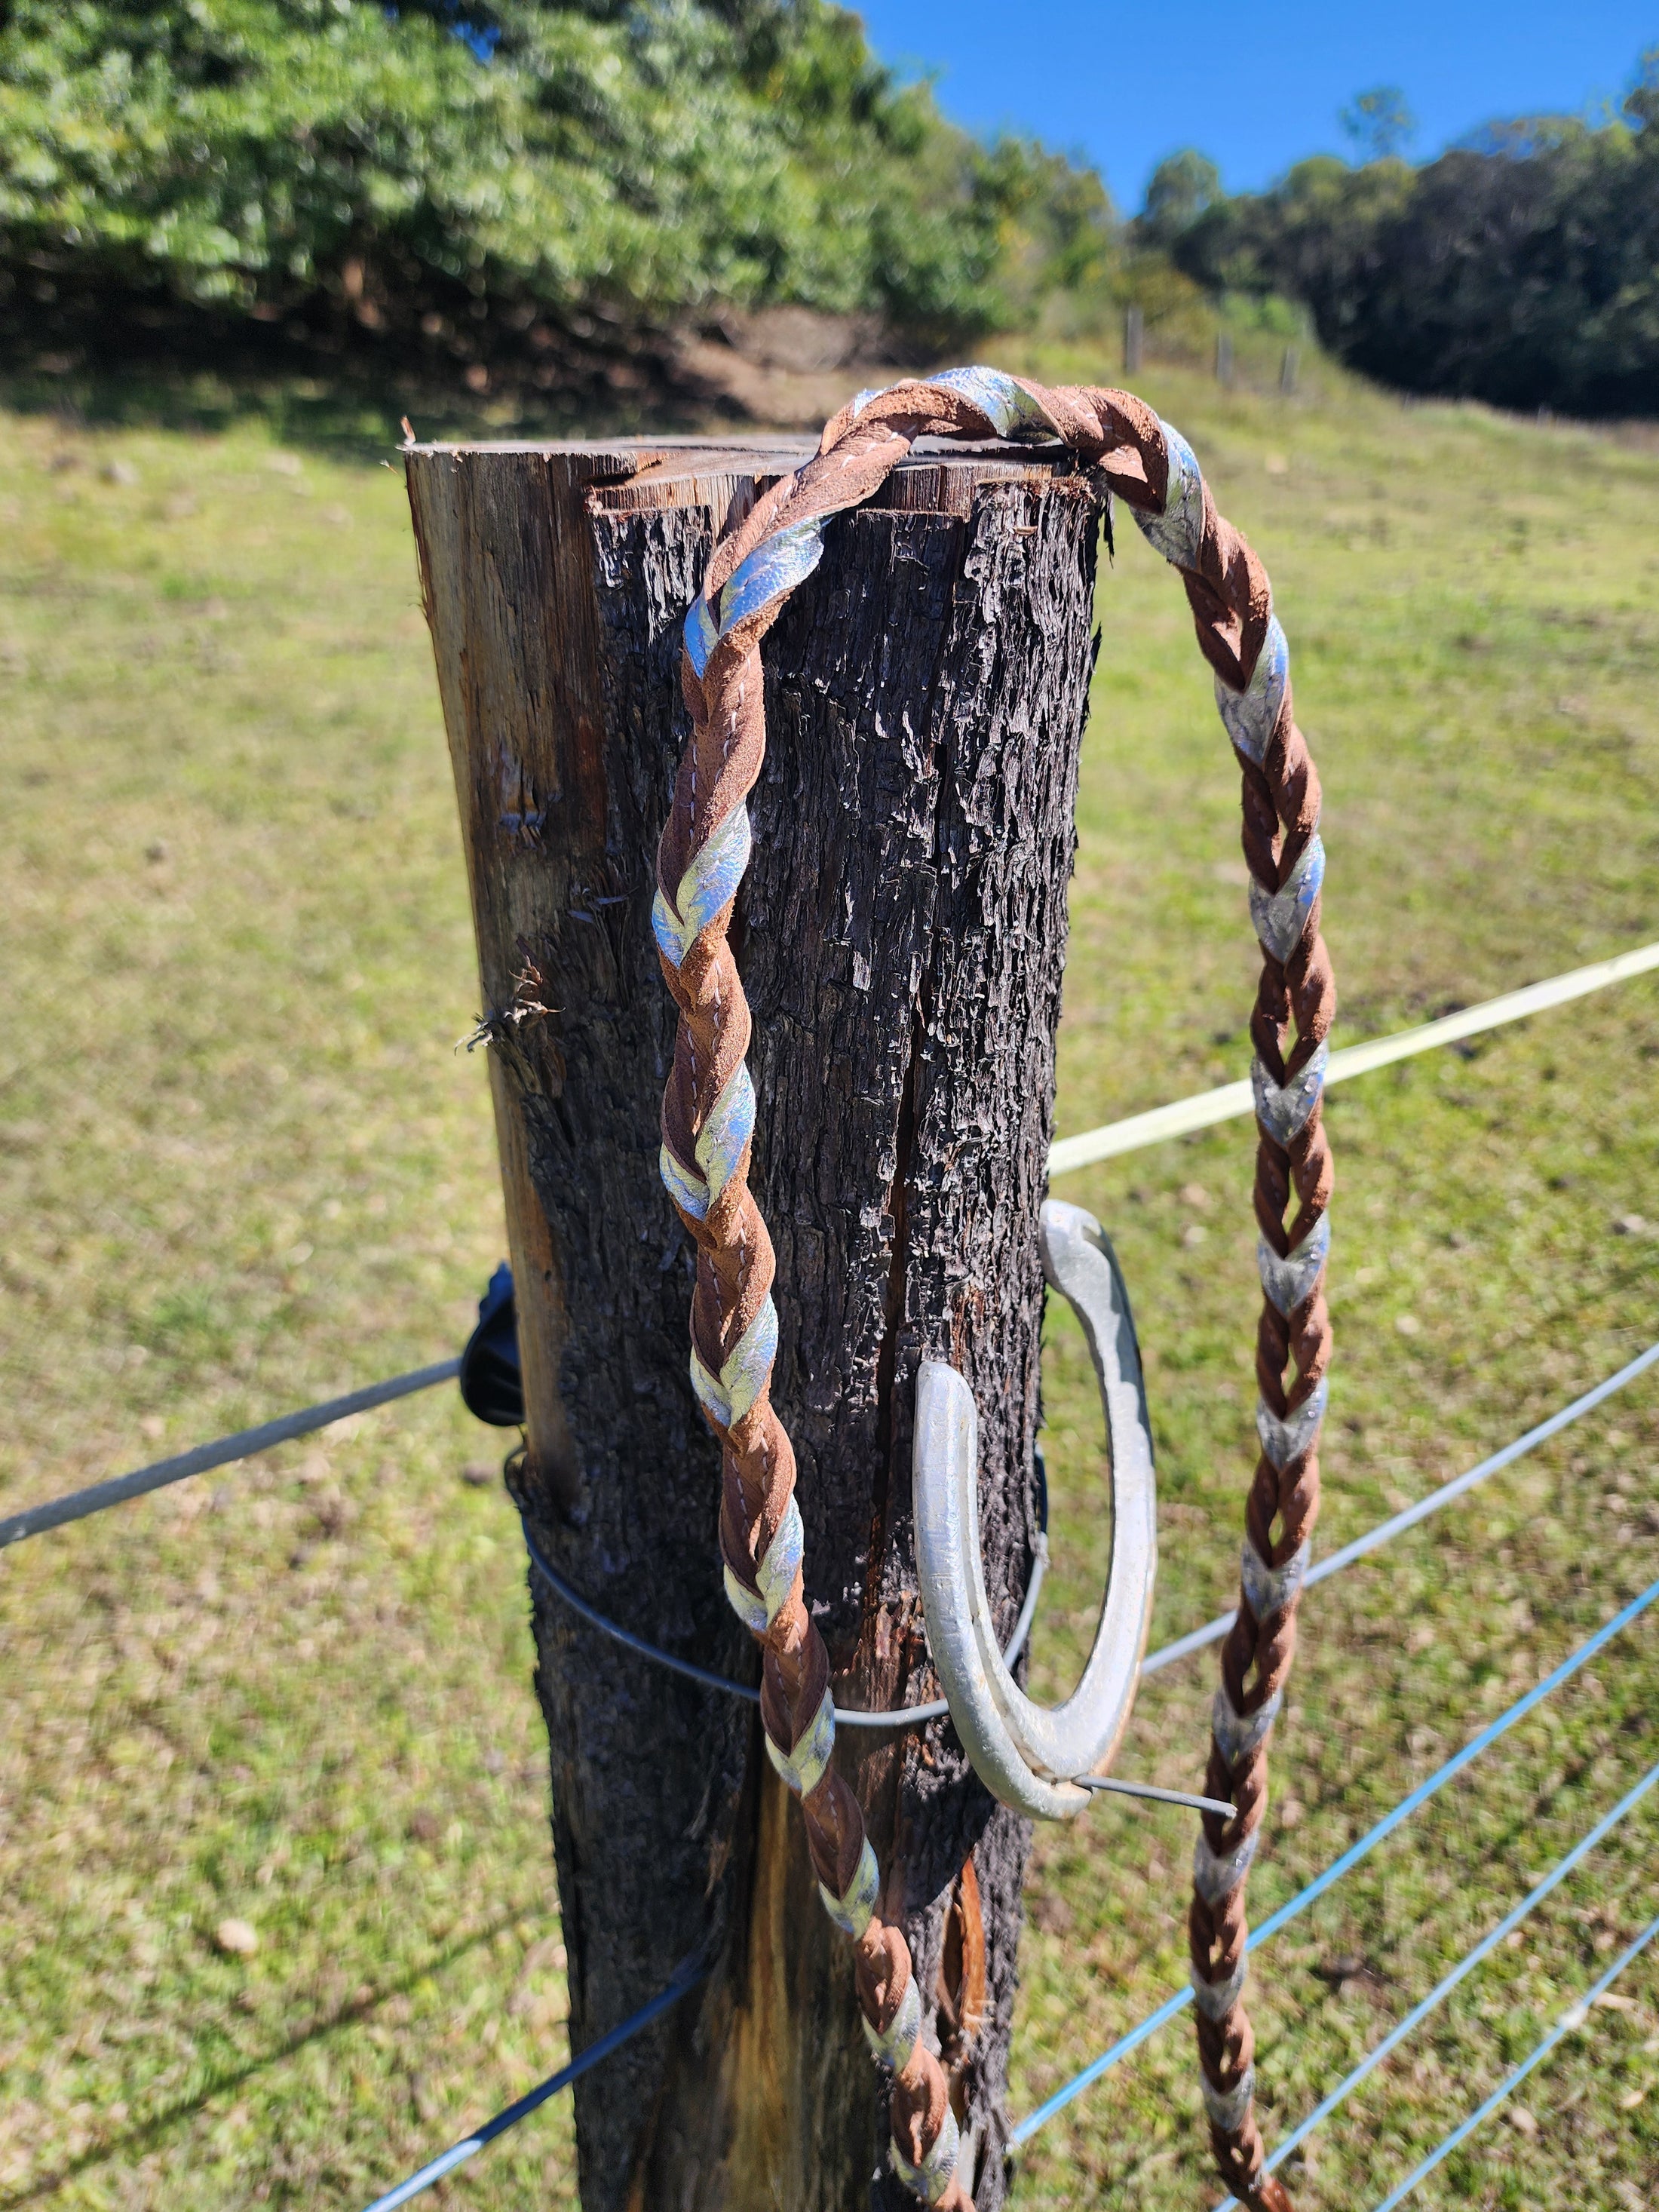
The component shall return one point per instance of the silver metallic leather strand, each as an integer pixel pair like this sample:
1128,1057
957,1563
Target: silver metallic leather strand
1270,1590
1251,716
1215,1999
1178,533
1238,1734
1279,917
1284,1440
1217,1874
802,1767
933,2178
894,2048
854,1910
1227,2107
1288,1282
1283,1108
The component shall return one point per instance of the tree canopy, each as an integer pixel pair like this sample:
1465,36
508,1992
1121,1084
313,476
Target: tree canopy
1523,268
570,164
1379,122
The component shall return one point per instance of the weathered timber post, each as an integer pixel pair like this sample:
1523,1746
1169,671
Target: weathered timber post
901,933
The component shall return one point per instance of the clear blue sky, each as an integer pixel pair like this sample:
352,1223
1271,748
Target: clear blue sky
1255,87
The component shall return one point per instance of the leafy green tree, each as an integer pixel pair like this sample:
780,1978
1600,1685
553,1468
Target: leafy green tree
1523,271
472,177
1182,188
1379,123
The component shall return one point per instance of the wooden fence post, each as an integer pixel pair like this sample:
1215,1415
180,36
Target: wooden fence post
902,933
1134,339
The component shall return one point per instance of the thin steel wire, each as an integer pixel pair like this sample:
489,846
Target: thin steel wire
1231,1101
78,1503
1180,1999
579,1606
1167,1655
900,1716
1114,1783
1465,1967
1385,1531
848,1717
1570,2022
246,1442
686,1977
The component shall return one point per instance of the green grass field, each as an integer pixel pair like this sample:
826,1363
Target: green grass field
245,1166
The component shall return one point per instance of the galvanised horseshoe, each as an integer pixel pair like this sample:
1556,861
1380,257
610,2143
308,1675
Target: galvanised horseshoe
1029,1755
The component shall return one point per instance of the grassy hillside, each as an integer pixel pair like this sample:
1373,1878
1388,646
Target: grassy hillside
245,1166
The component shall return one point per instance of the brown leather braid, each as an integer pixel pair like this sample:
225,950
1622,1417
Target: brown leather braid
1281,813
735,1263
1123,440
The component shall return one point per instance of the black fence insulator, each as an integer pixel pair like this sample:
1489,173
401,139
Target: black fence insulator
492,1382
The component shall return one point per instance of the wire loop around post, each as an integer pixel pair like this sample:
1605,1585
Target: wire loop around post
1028,1755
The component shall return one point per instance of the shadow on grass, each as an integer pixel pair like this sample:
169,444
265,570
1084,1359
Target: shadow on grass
146,2132
352,408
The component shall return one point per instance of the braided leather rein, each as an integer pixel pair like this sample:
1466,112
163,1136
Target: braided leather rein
707,1122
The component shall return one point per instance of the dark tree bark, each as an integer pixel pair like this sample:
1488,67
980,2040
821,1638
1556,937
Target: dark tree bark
901,934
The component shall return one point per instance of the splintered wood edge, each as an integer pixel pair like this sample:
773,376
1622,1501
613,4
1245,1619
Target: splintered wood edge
937,477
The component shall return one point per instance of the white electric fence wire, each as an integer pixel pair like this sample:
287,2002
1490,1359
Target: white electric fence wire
1233,1100
1229,1102
1465,1967
1178,2000
1386,1531
1569,2023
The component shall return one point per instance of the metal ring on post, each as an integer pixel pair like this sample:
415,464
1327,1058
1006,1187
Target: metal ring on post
1027,1755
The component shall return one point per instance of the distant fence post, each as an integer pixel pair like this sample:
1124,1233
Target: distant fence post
1223,358
1287,369
1134,337
902,933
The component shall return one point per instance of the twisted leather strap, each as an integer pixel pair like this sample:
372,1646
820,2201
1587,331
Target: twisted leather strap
708,1121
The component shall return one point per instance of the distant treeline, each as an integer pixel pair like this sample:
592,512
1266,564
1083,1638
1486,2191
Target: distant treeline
546,193
1523,270
517,184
